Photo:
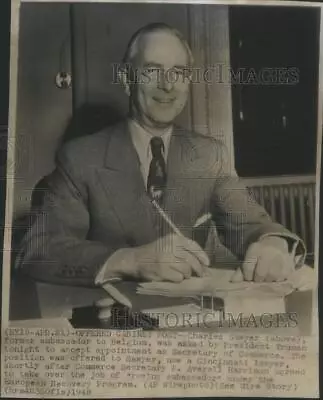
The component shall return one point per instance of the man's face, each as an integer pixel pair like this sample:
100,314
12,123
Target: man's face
162,91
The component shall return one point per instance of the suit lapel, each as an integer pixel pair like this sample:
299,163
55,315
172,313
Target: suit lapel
123,183
180,186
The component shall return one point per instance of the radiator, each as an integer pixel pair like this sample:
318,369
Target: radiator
290,203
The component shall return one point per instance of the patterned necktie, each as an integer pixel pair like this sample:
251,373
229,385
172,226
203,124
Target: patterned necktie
157,171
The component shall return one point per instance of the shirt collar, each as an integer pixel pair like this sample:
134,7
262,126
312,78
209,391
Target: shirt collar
141,139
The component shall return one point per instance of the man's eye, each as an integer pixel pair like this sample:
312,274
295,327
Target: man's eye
186,72
151,70
178,72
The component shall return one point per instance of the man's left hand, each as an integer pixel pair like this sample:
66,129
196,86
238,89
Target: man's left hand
267,260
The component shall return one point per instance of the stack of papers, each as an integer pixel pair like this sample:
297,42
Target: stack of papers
246,298
218,284
182,301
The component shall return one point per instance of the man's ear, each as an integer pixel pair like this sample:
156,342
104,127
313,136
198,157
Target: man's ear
123,78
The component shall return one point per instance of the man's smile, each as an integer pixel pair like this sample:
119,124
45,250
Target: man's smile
164,101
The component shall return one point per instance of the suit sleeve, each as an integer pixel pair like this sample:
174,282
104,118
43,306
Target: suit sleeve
239,218
56,249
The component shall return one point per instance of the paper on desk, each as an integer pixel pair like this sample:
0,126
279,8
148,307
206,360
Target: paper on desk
304,278
218,283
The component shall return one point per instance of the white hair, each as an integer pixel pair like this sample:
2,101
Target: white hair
133,45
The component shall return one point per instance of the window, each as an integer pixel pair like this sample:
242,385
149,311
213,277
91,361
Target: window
275,124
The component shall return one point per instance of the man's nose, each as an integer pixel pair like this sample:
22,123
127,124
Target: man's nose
165,81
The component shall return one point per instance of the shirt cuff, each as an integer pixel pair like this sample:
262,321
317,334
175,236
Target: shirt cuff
296,247
113,268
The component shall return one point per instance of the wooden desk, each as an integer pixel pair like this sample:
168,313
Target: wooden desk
54,303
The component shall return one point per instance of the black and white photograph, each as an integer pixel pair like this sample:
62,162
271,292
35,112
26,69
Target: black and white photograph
165,167
162,200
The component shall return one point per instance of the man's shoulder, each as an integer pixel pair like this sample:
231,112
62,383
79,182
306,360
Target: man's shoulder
200,142
196,136
209,153
90,148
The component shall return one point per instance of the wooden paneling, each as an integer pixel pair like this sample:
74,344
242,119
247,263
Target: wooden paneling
43,110
211,98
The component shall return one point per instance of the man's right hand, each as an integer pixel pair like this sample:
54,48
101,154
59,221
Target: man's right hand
170,258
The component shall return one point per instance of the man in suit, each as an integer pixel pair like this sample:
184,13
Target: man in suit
98,221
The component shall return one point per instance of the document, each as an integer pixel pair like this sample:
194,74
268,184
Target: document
218,282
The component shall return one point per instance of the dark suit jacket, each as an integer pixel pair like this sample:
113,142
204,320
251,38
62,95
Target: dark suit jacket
97,203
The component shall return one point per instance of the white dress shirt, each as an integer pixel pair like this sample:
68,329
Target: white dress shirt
141,141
